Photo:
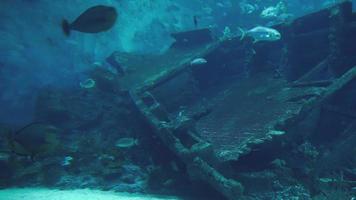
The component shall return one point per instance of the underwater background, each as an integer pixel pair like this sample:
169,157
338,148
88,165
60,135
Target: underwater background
31,39
180,98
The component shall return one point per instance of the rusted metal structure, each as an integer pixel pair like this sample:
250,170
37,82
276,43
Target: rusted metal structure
249,99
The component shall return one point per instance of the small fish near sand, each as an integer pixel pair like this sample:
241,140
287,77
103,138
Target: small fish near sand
125,143
94,20
198,61
260,33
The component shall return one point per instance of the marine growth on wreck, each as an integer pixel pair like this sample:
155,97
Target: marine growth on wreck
178,99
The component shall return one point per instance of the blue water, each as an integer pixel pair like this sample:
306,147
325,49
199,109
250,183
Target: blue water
35,53
42,68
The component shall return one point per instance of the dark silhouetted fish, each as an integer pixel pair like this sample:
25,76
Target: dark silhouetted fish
195,21
33,139
94,20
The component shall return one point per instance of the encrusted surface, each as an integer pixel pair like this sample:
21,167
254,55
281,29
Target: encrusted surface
249,109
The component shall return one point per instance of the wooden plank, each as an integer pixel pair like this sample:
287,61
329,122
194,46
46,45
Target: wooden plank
231,189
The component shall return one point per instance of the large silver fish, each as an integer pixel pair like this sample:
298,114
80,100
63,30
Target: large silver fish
260,33
94,20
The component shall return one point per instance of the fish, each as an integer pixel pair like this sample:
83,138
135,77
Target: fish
4,156
269,12
219,4
94,20
33,139
67,161
261,33
247,8
207,10
198,61
273,11
87,84
195,20
128,142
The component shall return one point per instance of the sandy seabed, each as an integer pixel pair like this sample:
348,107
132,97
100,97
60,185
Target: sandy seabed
80,194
